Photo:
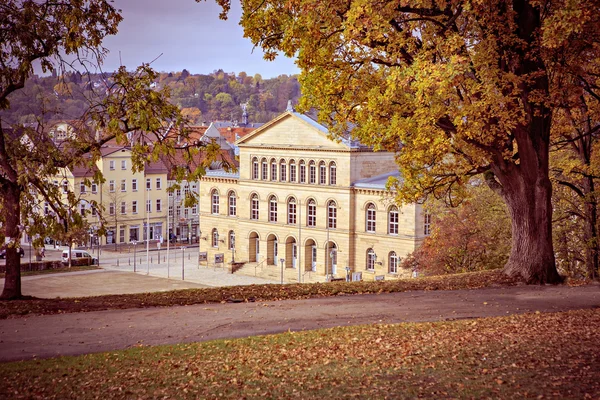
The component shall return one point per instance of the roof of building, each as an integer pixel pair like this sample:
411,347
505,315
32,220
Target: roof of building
378,182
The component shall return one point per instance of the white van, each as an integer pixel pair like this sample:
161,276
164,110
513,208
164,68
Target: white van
77,255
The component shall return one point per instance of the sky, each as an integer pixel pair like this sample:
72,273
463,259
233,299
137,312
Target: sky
180,34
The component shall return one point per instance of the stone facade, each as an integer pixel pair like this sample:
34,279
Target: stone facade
318,204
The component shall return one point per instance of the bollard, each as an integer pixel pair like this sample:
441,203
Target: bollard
117,262
150,260
188,256
129,260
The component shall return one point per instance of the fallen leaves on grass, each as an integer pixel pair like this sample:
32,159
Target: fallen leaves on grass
521,356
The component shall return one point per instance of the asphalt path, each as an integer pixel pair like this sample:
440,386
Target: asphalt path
81,333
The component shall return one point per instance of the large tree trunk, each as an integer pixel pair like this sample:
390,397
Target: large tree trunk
11,196
590,231
532,254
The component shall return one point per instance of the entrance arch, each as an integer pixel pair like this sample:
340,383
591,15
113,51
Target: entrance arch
272,250
253,246
310,255
291,253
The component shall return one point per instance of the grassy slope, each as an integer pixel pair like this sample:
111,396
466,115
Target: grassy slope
522,356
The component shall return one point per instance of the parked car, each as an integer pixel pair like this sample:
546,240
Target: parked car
78,257
3,252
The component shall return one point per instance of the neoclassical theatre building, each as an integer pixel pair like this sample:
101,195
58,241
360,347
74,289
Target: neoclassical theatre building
307,207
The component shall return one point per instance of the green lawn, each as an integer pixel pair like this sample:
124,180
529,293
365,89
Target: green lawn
524,356
54,271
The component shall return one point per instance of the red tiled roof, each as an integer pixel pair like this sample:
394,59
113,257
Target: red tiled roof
230,133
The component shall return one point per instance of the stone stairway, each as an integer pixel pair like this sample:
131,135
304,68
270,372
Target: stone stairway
272,272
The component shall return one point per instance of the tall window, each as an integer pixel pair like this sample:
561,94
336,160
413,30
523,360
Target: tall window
255,168
231,240
254,207
134,185
170,211
291,219
158,205
214,202
282,171
273,209
273,169
312,172
292,171
311,213
393,221
370,259
265,171
82,209
370,217
178,211
195,209
111,165
134,206
302,171
332,174
94,187
232,204
123,185
81,187
427,223
394,260
123,207
322,173
123,164
332,215
111,208
65,185
111,185
149,205
148,184
158,184
215,237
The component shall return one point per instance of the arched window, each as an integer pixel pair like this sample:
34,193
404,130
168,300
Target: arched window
255,168
371,258
272,209
254,207
302,171
370,217
311,213
332,215
322,173
332,173
231,240
394,260
312,172
292,171
282,171
232,206
393,220
214,202
215,237
273,169
265,170
291,212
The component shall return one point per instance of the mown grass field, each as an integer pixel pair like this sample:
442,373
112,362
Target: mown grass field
522,356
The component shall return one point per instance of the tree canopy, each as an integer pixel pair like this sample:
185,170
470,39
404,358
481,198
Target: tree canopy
457,88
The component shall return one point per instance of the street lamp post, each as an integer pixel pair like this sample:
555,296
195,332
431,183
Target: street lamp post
133,242
232,250
282,262
183,263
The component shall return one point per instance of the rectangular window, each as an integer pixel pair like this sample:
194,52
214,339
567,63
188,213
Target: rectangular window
134,206
427,224
158,205
123,207
178,212
158,184
111,165
82,187
170,211
322,174
282,173
393,223
65,186
292,213
82,209
148,184
94,188
111,185
186,212
293,173
134,185
111,209
195,209
313,173
123,164
332,175
149,206
94,212
186,190
123,185
122,234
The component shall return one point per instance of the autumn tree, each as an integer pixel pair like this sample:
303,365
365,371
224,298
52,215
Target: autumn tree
457,88
46,32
